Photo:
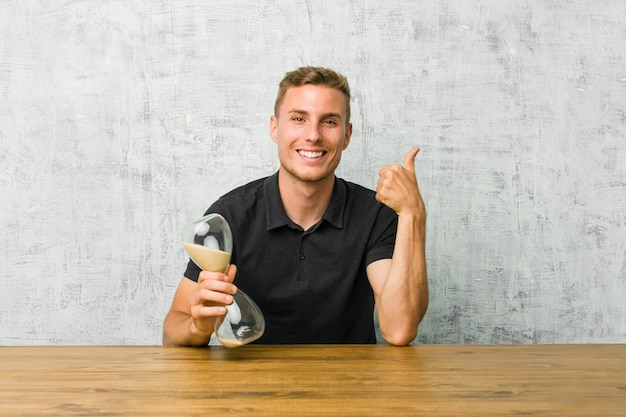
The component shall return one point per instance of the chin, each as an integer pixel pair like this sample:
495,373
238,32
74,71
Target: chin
309,177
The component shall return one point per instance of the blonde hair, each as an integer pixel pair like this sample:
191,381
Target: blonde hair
315,76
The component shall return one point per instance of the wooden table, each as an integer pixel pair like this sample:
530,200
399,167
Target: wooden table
429,380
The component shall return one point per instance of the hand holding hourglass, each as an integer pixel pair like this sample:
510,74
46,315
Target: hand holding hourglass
208,241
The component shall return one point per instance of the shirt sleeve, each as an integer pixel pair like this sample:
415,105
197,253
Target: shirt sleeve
383,235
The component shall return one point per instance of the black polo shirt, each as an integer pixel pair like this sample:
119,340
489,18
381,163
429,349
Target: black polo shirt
310,285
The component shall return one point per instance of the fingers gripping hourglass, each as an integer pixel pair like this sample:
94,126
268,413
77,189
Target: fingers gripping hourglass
209,242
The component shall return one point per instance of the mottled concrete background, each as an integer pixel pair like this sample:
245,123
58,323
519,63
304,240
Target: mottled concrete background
122,120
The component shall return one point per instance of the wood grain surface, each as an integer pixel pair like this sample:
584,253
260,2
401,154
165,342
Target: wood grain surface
378,380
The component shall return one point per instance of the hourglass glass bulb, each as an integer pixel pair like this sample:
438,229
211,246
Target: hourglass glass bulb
242,324
209,242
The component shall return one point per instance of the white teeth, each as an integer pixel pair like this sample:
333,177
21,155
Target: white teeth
309,154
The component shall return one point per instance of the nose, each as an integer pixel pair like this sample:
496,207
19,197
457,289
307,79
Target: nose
314,132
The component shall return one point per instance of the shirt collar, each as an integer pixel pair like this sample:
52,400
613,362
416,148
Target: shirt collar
276,216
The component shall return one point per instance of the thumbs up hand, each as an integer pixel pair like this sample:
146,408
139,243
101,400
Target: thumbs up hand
397,188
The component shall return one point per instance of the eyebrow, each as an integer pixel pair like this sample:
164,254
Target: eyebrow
324,116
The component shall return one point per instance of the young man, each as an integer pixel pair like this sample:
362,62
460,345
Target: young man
315,252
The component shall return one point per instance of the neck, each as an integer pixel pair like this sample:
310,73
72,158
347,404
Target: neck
305,202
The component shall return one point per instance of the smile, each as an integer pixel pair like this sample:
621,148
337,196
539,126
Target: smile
311,154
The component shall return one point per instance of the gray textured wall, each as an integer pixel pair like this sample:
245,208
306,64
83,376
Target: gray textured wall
122,120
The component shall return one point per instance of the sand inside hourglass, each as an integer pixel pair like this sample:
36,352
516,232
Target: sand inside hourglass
206,258
227,337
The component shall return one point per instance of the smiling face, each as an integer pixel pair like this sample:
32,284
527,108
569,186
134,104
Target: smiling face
311,131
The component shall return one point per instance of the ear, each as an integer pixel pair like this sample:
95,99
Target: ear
274,128
346,141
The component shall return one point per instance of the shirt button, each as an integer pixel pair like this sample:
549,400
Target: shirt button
302,257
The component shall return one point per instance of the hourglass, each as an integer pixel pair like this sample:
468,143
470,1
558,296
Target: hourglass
209,242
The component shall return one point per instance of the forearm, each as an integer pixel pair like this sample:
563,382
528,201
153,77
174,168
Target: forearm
403,301
180,330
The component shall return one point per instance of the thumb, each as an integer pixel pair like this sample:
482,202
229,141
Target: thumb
231,272
409,159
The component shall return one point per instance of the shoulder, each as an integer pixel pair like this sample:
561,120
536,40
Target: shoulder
239,200
363,199
243,191
360,195
357,190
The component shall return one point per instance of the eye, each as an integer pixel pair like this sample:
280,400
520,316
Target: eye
297,119
330,122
